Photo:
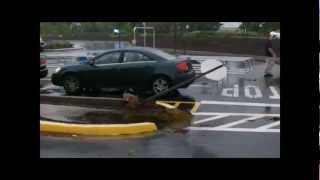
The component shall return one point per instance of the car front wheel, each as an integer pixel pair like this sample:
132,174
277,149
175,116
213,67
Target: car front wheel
72,85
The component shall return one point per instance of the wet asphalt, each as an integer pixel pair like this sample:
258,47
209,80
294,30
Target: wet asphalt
165,145
177,140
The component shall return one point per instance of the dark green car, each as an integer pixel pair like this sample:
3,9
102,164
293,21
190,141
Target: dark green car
139,68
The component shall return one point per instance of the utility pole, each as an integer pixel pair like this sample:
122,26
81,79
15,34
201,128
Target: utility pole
175,38
119,39
117,31
144,34
184,49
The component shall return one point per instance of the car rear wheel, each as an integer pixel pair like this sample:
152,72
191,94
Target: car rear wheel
160,84
72,85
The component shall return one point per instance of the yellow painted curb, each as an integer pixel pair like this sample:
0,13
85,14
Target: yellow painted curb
166,104
97,129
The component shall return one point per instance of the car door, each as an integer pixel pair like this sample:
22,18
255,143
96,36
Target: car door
104,71
136,68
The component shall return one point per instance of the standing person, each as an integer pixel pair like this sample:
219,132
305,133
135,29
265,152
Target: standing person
271,56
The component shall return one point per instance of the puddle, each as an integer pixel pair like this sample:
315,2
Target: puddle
163,118
83,137
174,119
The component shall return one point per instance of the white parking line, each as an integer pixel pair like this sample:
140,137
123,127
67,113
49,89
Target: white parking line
210,119
275,94
230,126
233,129
228,91
240,103
269,125
238,122
247,92
234,114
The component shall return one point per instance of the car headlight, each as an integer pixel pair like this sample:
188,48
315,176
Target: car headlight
58,69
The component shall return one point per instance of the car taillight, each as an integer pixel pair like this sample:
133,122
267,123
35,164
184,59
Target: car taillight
182,67
43,61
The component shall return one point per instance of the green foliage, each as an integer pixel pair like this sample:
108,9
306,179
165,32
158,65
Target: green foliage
260,27
64,28
202,30
55,28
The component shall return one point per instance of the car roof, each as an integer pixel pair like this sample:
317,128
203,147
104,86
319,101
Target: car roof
148,49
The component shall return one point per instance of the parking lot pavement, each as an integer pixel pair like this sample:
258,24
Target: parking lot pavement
237,117
164,144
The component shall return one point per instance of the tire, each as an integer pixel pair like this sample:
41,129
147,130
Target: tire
71,85
160,84
43,74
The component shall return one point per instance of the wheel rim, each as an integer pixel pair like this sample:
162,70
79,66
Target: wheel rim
160,85
71,84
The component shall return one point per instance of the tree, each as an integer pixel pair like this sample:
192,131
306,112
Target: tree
259,26
271,26
250,26
55,28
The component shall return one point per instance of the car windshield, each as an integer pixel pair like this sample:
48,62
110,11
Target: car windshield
163,54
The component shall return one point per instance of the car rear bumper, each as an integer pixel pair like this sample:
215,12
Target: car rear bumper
184,77
43,73
56,79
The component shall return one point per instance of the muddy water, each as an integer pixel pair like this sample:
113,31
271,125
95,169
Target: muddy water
163,118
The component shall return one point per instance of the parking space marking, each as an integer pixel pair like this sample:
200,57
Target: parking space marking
195,107
181,102
269,125
275,94
234,103
247,92
227,91
239,122
230,126
250,91
235,114
210,119
233,129
166,105
176,104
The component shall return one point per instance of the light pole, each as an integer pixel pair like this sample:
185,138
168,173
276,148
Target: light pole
144,34
175,38
187,28
117,32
